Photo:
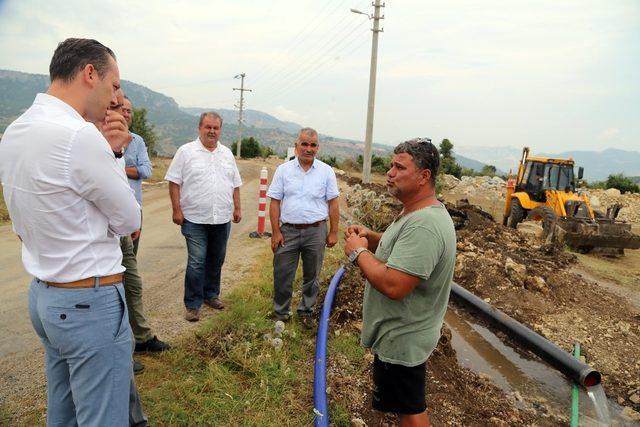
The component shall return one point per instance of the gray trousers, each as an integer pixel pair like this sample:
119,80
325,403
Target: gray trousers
87,342
308,244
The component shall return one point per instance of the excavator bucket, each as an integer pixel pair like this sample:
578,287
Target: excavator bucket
602,234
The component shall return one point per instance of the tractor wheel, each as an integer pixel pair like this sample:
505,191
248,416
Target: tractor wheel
517,213
547,216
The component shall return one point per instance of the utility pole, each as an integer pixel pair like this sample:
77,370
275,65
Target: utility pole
368,139
242,91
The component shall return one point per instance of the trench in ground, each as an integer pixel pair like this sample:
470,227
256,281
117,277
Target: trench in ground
539,384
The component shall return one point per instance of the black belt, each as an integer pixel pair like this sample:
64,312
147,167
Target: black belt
303,226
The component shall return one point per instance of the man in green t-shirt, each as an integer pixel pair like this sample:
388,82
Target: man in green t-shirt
409,269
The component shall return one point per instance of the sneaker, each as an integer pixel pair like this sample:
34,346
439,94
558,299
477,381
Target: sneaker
192,314
137,367
153,345
214,303
307,321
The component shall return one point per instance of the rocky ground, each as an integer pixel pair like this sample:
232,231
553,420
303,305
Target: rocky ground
494,188
525,278
532,282
456,395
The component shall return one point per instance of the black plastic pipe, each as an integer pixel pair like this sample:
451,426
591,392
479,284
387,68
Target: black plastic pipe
573,368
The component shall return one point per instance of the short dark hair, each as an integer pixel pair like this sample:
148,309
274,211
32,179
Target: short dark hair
210,114
72,55
425,154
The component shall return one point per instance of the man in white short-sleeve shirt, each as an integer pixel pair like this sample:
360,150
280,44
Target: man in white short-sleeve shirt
68,201
204,186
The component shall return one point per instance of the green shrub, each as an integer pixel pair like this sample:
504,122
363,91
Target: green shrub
622,183
330,160
250,148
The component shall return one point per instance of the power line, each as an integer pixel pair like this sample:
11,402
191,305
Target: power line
298,39
311,53
313,63
294,62
316,71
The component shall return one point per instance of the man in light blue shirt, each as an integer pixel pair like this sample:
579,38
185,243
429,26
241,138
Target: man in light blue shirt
137,163
304,193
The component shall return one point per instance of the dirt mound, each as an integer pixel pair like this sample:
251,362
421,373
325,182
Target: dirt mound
602,199
455,395
532,283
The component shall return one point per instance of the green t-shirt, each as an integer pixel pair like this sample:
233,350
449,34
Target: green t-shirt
406,331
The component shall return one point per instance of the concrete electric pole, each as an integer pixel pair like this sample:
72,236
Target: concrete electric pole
241,106
368,139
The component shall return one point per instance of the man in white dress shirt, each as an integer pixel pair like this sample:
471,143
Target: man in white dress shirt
304,193
204,187
68,200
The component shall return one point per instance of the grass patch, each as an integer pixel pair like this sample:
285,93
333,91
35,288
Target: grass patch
227,373
624,270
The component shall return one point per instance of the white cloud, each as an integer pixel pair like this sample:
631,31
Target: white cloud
495,72
609,134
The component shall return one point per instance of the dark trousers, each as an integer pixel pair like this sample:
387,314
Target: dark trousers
136,242
206,249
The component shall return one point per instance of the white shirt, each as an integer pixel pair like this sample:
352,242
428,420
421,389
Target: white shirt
67,197
207,180
304,195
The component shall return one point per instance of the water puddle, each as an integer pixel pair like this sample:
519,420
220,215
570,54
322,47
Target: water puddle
540,385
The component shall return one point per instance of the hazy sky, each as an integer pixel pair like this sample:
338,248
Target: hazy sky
555,75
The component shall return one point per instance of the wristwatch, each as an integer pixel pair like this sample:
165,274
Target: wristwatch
353,256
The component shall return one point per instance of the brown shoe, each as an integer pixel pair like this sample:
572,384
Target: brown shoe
192,314
214,303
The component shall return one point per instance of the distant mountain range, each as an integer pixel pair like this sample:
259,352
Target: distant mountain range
598,165
177,125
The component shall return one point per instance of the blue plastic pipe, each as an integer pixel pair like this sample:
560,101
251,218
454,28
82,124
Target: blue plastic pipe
320,408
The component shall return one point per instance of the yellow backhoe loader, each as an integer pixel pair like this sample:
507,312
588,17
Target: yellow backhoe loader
545,190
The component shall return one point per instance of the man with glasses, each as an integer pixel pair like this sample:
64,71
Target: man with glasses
304,193
409,269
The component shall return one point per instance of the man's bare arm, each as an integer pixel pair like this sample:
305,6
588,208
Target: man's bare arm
174,195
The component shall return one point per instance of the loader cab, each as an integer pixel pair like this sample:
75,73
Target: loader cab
533,180
559,177
542,176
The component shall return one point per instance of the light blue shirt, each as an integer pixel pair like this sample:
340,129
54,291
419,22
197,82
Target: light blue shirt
304,195
136,155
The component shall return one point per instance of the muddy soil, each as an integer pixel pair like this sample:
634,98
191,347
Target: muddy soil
534,283
455,395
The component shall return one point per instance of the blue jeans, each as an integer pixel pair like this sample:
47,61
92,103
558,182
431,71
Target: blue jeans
87,342
206,249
